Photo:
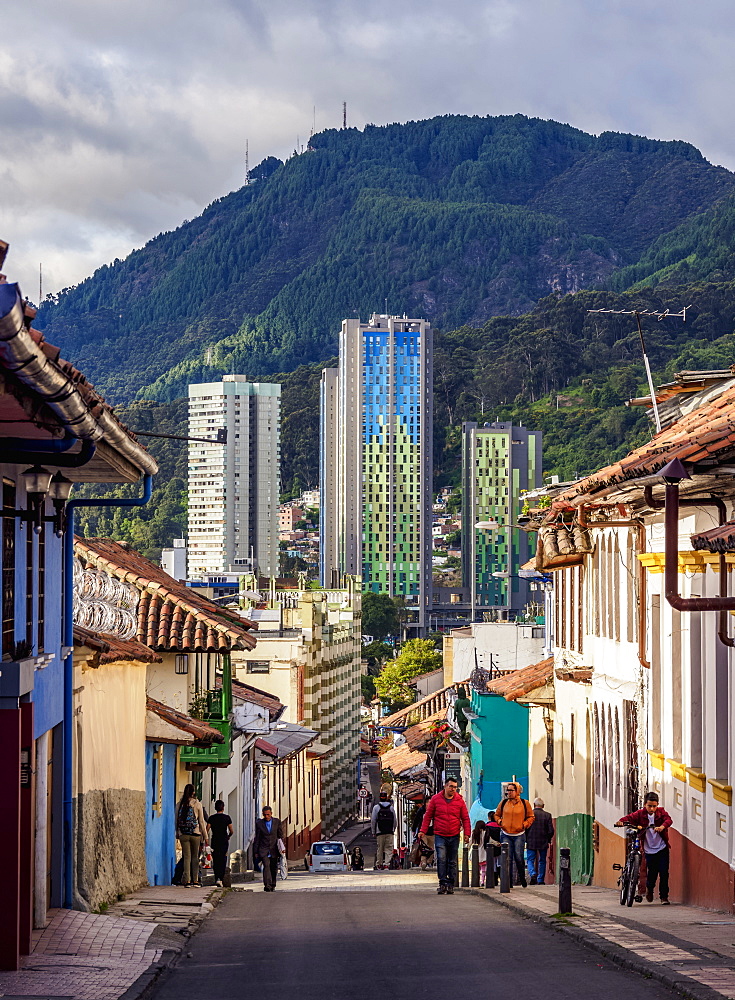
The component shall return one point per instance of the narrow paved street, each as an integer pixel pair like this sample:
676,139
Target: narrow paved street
399,941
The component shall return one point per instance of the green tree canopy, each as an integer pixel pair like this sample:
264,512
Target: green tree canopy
417,656
379,615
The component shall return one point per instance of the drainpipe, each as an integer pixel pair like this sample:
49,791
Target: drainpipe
722,624
60,461
69,666
53,445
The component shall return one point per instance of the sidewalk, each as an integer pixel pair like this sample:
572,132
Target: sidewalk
688,948
93,956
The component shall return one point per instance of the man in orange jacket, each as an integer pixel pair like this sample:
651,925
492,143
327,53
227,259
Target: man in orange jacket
515,815
448,812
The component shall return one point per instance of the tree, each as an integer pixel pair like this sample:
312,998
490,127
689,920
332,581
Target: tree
379,615
376,653
417,656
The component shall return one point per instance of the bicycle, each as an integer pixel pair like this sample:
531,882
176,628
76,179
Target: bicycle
630,871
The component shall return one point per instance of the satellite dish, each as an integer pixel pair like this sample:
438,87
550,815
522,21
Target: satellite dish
398,740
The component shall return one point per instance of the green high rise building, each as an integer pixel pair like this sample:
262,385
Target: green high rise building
499,462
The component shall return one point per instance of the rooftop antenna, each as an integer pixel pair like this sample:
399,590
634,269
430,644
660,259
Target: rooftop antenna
667,313
344,114
247,162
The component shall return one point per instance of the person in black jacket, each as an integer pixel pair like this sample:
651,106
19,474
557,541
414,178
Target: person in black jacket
268,831
538,838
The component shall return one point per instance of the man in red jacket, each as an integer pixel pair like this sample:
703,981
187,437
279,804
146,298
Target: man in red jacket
448,812
655,823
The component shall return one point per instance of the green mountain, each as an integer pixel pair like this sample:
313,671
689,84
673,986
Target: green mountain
457,219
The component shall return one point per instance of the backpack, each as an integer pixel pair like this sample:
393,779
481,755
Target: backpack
386,820
526,806
188,822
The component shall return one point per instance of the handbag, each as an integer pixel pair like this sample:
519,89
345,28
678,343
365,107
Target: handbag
281,847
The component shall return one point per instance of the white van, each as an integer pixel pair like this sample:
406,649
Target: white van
327,856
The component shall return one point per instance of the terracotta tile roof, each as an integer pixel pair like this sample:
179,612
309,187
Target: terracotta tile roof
401,759
171,616
518,683
203,734
719,539
245,692
580,675
418,736
112,649
704,433
419,709
414,790
265,747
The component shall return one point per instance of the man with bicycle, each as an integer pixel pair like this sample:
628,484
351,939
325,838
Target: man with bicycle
655,822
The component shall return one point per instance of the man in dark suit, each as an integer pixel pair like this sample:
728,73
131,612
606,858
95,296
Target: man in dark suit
268,831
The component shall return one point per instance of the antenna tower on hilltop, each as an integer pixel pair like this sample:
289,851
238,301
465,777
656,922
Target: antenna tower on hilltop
344,114
247,162
40,284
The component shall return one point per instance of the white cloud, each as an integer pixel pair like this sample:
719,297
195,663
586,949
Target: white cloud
119,120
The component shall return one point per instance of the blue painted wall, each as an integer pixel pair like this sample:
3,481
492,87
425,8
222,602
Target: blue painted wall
160,830
498,746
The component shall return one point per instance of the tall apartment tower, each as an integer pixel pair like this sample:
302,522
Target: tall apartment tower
376,460
234,488
499,461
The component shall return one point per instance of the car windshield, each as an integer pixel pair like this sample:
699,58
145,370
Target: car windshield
327,848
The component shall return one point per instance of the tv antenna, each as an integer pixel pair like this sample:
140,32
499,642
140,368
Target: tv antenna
247,162
344,114
659,315
40,284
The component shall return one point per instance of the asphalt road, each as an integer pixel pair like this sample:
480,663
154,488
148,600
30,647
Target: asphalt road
402,943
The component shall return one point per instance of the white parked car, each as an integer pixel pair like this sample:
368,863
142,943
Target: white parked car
327,856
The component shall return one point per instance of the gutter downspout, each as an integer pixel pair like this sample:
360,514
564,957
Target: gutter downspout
69,667
722,624
52,445
74,461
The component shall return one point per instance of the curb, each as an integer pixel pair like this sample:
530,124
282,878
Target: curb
677,981
148,979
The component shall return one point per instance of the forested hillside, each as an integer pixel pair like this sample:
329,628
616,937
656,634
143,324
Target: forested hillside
558,368
456,219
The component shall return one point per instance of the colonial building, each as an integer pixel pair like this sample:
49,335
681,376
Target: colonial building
55,430
640,552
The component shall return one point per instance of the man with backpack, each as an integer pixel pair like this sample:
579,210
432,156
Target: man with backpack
383,824
515,816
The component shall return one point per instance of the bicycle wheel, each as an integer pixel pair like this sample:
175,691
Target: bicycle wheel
623,883
635,868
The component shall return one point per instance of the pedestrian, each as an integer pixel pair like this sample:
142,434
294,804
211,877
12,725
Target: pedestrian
515,816
395,861
492,849
448,812
538,839
219,828
268,831
478,840
191,832
358,860
655,821
383,823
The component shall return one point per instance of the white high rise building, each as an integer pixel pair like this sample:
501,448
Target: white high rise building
234,488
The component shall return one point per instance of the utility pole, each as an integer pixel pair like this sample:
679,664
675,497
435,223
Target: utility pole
666,314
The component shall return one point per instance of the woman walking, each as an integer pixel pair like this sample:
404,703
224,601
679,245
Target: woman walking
478,838
191,832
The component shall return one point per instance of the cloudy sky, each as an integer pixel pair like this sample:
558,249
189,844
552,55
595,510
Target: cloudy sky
121,119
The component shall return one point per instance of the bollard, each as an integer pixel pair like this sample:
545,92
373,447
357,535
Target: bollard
504,867
465,866
475,867
565,881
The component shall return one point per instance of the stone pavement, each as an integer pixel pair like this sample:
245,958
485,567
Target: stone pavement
686,947
94,956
